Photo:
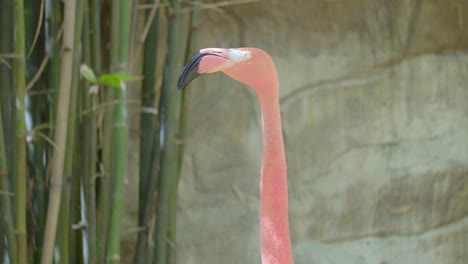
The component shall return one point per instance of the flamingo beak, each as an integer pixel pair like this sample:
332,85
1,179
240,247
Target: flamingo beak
211,60
192,70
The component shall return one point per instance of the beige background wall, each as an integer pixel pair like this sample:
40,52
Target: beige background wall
374,104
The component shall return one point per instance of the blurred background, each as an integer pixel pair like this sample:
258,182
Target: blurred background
374,112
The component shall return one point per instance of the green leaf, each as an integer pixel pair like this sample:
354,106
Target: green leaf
113,80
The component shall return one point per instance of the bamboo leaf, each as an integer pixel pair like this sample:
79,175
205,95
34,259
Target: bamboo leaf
113,80
88,74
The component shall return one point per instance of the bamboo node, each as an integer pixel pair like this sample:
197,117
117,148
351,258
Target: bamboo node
114,257
20,233
79,225
6,193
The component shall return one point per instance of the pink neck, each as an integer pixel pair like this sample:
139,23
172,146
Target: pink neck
274,225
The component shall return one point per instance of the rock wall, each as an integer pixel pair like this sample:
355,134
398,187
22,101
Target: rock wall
374,108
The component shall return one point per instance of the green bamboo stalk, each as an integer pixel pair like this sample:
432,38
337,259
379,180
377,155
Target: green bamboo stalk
20,83
103,212
60,131
102,208
2,243
192,39
6,219
54,17
170,110
149,143
76,149
118,172
119,139
76,226
6,133
76,234
38,109
148,120
53,14
64,222
89,130
191,47
95,26
7,92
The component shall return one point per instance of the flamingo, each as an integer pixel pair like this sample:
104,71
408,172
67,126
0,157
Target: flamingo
255,68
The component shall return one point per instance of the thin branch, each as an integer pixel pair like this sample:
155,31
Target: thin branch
149,21
43,126
5,62
41,92
38,73
44,62
199,5
10,56
150,6
38,28
44,136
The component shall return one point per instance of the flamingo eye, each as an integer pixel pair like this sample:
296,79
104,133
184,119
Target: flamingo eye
247,55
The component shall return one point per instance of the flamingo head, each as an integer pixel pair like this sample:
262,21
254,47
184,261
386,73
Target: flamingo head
246,65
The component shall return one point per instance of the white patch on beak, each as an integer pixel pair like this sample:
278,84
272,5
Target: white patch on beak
236,55
232,57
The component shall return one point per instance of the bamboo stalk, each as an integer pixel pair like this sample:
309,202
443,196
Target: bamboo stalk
6,219
38,110
54,17
149,143
192,39
21,190
118,173
67,206
192,45
61,131
95,28
77,227
147,131
89,130
74,152
119,139
106,139
170,110
7,90
7,133
2,243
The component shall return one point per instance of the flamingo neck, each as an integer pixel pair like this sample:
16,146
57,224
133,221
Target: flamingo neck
274,224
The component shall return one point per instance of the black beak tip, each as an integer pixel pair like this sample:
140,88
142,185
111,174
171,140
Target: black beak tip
190,71
181,84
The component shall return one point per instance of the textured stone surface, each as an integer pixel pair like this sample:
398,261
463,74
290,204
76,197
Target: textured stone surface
374,103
